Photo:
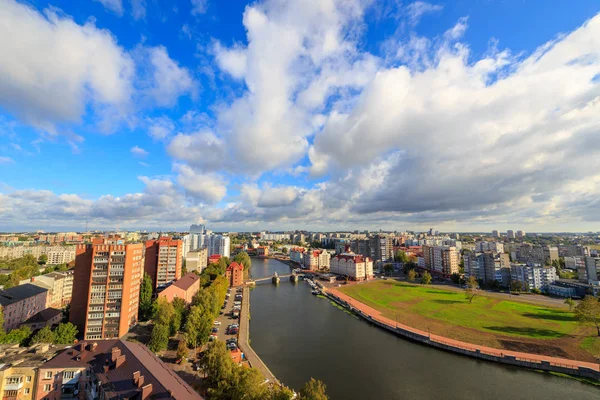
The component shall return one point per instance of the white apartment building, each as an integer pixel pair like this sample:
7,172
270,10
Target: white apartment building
316,260
482,246
278,237
216,244
356,267
196,260
59,285
534,277
55,254
297,255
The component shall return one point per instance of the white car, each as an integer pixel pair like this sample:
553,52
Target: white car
217,323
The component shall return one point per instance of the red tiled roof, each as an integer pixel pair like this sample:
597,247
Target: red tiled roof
233,266
186,281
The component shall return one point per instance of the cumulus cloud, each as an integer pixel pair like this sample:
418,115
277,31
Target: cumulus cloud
417,9
204,187
115,6
160,128
138,9
85,62
138,152
203,150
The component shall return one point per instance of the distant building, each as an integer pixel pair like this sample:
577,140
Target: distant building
488,267
20,303
356,267
106,287
378,247
47,317
481,246
520,234
316,260
235,274
184,288
214,259
55,254
297,255
163,260
59,285
510,234
592,269
262,251
109,370
196,260
495,234
218,244
533,277
442,259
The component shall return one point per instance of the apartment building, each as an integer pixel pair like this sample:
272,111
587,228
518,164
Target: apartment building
196,260
163,260
533,277
592,270
354,266
316,260
106,287
442,259
488,267
20,303
377,247
297,255
530,254
109,370
59,285
55,254
482,246
47,317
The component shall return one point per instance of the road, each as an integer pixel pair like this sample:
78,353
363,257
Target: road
225,319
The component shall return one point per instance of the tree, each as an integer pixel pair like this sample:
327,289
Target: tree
178,320
146,298
570,302
164,312
198,326
412,275
408,266
159,338
587,312
65,333
19,335
217,364
244,259
44,335
455,277
401,256
313,390
426,278
281,393
388,269
516,286
43,259
472,288
182,349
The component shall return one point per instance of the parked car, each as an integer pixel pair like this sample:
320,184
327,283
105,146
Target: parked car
217,323
215,330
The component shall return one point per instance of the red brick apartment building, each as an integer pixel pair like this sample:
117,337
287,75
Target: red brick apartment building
163,260
106,287
235,274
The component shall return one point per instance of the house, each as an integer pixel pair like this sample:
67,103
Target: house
184,288
20,303
48,317
262,251
235,274
214,259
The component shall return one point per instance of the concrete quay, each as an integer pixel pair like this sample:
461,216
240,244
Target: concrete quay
244,340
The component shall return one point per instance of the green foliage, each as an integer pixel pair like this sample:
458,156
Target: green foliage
43,259
570,302
65,333
411,275
408,266
159,338
426,278
180,315
313,390
44,335
146,308
401,256
164,311
455,277
472,288
388,269
19,335
182,349
244,259
22,269
587,312
516,286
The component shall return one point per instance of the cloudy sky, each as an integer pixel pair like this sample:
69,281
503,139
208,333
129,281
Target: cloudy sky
305,114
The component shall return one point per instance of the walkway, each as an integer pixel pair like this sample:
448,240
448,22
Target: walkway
527,357
244,339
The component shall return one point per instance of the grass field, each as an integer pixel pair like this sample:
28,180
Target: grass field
488,321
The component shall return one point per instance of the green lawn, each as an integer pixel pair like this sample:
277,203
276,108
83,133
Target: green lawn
486,314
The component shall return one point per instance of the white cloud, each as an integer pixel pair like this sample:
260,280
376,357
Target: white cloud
160,128
6,160
138,9
417,9
233,61
202,149
199,6
115,6
85,62
138,152
204,187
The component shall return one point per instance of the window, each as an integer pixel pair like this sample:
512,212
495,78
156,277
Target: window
27,390
28,379
48,375
47,388
68,374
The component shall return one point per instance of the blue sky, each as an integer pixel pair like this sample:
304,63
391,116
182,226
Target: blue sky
469,115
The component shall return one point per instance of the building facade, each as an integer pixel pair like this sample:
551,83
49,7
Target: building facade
441,259
20,303
235,274
59,285
163,260
196,260
185,288
354,266
533,277
106,285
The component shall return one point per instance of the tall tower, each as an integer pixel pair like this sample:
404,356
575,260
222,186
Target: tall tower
106,287
163,260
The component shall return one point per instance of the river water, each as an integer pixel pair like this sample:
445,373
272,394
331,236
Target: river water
300,336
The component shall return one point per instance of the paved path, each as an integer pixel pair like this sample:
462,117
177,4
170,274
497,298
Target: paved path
463,345
244,339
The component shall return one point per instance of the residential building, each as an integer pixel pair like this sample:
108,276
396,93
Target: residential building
495,234
19,368
297,255
262,251
533,277
109,370
55,254
106,285
218,244
510,234
442,259
59,285
299,238
481,246
573,251
196,260
592,269
277,237
20,303
184,288
47,317
520,234
488,267
530,254
355,266
200,228
557,289
163,260
235,274
214,259
378,247
474,265
317,260
575,263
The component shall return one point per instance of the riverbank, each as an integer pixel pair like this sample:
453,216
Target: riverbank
244,339
526,360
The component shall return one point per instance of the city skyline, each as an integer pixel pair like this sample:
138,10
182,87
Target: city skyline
317,115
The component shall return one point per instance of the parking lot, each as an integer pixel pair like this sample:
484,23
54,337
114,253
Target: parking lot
226,318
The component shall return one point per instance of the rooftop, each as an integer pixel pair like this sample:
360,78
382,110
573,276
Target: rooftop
11,355
186,281
18,293
44,315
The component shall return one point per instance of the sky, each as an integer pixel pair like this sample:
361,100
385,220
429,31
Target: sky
465,115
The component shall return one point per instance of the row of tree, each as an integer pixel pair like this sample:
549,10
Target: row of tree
226,380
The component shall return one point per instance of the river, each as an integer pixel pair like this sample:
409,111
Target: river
300,336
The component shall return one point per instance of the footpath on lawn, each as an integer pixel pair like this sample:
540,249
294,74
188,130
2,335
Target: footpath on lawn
494,354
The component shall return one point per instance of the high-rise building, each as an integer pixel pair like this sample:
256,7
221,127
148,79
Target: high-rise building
218,244
201,229
106,287
520,234
443,259
495,234
592,269
510,234
163,260
196,260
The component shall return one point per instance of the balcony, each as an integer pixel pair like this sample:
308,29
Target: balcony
13,385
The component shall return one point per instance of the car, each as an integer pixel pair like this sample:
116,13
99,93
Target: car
211,338
234,326
231,346
215,330
217,323
231,340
